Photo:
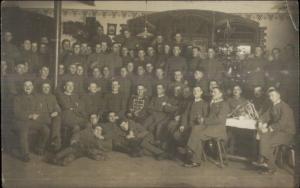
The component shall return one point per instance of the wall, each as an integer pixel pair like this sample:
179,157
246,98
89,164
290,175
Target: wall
279,29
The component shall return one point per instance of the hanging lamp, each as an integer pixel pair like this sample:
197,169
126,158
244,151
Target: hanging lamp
145,34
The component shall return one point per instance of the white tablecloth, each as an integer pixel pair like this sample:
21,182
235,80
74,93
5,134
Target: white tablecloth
241,123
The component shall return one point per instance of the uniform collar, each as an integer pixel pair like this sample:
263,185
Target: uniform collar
197,100
216,100
277,102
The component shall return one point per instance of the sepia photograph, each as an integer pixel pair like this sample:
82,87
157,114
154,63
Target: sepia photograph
150,94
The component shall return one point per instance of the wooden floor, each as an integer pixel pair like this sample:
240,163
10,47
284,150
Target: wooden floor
122,171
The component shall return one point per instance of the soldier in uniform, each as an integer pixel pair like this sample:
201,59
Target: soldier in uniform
98,79
26,52
130,70
194,63
213,68
177,81
125,83
81,78
138,105
160,78
75,57
10,52
276,127
212,126
134,139
27,118
196,110
16,80
237,99
142,79
96,59
141,59
93,100
50,114
160,108
151,56
255,70
125,55
73,112
163,57
176,62
65,50
43,78
149,70
113,60
91,142
236,103
115,101
201,81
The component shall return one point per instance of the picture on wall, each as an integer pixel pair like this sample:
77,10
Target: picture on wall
111,29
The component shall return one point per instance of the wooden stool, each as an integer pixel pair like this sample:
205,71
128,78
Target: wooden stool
285,155
221,152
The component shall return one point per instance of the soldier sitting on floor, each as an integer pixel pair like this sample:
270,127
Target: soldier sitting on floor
88,142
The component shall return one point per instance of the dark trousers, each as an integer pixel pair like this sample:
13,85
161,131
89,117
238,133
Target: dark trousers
24,127
269,141
147,144
156,125
199,134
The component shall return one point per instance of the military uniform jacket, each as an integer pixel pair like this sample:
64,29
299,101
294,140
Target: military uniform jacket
193,112
86,141
71,104
157,109
255,71
138,131
25,105
213,69
113,61
234,102
175,63
96,60
217,114
93,103
48,104
115,103
125,86
280,117
75,58
194,63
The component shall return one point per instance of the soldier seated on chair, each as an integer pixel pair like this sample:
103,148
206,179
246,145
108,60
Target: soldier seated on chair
73,112
276,127
212,126
27,118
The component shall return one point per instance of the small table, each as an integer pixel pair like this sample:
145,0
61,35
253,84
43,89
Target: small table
244,132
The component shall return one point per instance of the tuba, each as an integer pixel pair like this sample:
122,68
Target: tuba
246,110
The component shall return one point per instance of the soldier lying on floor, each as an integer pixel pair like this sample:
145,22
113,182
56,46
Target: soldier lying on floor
135,140
89,142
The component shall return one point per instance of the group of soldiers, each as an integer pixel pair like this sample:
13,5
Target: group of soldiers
160,99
